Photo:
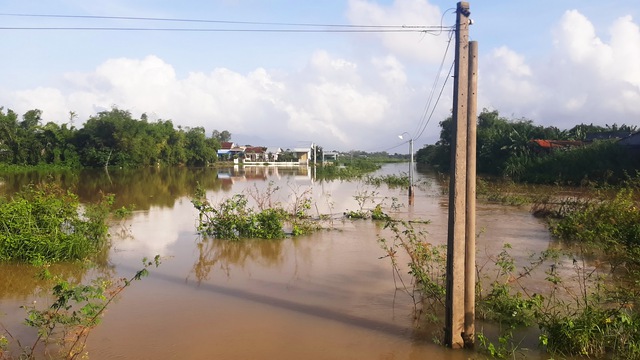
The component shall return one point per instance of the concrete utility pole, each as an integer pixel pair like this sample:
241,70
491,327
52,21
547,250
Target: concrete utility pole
454,309
470,235
411,172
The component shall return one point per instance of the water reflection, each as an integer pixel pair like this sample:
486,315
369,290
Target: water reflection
147,187
224,254
247,173
22,281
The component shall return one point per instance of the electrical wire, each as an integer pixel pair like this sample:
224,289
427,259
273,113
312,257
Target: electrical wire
423,123
326,27
438,99
213,21
220,30
388,148
426,120
423,120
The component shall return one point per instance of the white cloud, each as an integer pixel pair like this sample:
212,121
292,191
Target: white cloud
327,102
586,79
625,45
391,71
507,82
402,12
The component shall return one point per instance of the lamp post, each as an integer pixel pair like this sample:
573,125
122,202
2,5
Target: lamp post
410,164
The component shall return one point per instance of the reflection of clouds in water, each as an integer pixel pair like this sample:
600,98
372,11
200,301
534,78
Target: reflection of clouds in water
338,196
155,230
334,196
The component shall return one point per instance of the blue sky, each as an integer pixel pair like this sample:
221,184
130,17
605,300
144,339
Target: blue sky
555,62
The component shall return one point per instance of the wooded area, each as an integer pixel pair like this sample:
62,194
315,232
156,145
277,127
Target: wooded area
110,138
505,148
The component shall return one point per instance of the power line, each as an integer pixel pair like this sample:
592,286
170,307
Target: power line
425,121
399,30
395,28
423,124
386,149
438,99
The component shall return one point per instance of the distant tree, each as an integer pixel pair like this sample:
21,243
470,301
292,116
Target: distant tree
9,137
200,151
223,136
287,155
30,146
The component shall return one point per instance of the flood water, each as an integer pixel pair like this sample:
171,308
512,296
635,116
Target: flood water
323,296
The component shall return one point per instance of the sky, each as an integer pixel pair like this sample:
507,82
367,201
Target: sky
557,63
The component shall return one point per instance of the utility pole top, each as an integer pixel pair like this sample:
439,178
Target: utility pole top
463,8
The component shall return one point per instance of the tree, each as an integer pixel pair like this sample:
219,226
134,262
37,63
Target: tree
200,151
30,148
287,156
223,136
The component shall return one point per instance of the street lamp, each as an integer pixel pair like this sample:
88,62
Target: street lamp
410,164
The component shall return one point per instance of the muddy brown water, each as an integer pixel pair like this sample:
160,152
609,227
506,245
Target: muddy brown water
323,296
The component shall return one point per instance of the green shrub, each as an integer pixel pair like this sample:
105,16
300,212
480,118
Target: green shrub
45,224
393,181
233,220
612,226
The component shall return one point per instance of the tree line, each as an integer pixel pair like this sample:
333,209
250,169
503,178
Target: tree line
505,148
109,138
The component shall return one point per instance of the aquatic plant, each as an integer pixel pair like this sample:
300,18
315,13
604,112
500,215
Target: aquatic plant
348,170
232,219
364,197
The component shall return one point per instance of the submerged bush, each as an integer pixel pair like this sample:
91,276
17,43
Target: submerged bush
612,226
349,170
233,219
45,224
392,180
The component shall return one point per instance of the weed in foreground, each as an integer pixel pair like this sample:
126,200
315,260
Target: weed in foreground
427,268
64,326
586,310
